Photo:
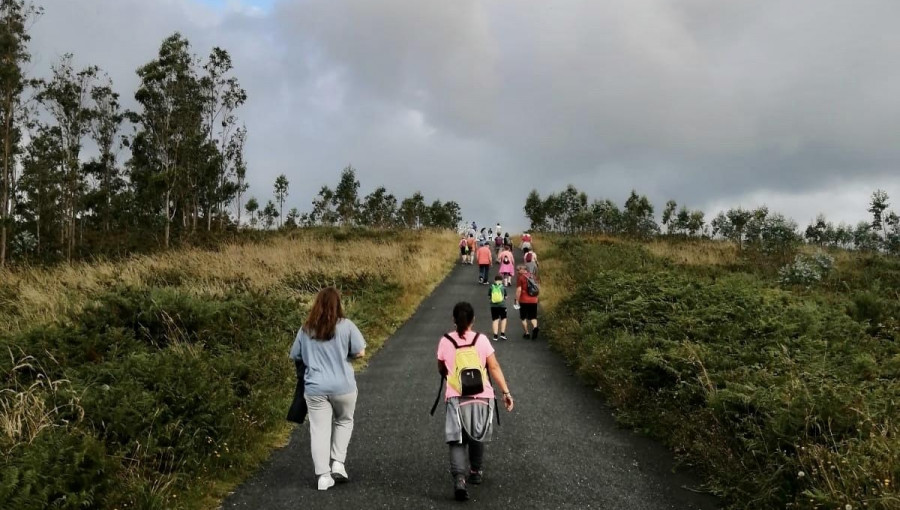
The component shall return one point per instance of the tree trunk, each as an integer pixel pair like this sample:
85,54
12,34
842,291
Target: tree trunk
239,205
108,193
71,214
168,219
7,182
195,215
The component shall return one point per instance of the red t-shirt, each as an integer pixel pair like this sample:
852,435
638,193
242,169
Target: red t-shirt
522,283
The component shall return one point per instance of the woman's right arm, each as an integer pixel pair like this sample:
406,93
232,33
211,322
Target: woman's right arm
493,367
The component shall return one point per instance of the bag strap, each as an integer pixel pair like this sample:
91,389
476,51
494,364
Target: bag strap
452,341
496,405
456,344
438,398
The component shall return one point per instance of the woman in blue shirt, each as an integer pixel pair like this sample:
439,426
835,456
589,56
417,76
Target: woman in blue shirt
325,344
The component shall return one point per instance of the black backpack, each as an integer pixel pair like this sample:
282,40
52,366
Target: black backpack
471,381
532,288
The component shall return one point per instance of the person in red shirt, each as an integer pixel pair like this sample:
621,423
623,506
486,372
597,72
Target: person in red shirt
526,304
485,259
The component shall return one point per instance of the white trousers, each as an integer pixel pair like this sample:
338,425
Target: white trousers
330,428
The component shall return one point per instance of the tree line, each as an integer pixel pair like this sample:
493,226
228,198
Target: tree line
81,175
570,211
342,206
66,191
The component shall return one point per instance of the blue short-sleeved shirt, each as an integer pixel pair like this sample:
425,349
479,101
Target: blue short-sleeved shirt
328,371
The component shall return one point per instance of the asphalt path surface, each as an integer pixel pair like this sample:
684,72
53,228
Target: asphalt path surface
559,448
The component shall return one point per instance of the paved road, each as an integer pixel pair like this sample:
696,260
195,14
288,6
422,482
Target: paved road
560,448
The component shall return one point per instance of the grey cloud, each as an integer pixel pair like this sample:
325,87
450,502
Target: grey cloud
702,101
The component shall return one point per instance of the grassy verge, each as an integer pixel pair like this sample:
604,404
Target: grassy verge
162,381
784,398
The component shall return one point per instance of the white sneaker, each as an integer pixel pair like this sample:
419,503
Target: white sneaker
339,472
325,482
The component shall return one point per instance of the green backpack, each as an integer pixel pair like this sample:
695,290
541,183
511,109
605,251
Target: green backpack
496,293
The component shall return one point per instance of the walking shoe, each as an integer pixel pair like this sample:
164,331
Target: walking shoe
526,335
325,482
495,338
476,476
460,492
339,472
503,336
534,333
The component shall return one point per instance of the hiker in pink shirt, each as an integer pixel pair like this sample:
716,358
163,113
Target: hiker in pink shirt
507,265
469,416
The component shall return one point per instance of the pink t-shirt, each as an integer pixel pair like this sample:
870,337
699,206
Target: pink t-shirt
446,353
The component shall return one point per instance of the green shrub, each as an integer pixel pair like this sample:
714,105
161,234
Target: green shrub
170,381
752,383
61,468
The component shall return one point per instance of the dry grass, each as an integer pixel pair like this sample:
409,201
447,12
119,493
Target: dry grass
695,252
37,296
25,410
394,271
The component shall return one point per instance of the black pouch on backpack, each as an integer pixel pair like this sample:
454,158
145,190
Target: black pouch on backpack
471,382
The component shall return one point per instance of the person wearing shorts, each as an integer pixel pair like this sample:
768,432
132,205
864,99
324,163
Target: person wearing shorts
463,250
527,304
498,310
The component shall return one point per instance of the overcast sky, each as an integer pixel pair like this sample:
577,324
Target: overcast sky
711,103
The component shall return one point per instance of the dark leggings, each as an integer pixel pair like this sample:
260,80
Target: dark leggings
458,465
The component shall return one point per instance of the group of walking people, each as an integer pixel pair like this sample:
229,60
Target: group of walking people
525,273
471,373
